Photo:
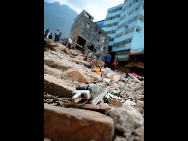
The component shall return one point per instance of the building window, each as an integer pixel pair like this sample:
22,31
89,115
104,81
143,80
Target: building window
111,39
95,29
138,29
102,39
106,39
86,24
141,18
84,32
98,39
114,10
99,48
87,16
138,17
94,37
123,52
122,43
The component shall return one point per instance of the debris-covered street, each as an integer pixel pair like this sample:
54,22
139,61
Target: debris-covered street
81,105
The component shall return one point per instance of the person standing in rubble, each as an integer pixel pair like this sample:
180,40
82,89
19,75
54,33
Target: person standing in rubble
59,36
115,63
46,32
108,59
50,36
69,42
56,35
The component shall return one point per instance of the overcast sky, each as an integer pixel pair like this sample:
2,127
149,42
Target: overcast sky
97,8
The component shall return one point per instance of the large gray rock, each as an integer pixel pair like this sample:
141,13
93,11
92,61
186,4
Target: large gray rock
126,119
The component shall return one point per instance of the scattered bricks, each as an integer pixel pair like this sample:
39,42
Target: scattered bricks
76,124
57,87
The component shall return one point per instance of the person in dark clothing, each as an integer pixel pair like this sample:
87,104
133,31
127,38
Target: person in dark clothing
108,59
46,32
115,63
59,37
56,35
50,36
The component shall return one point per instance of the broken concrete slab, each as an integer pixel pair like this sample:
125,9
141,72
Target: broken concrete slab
116,77
57,87
129,102
52,71
126,119
139,131
119,138
78,76
93,107
47,139
80,61
110,75
76,124
139,103
101,63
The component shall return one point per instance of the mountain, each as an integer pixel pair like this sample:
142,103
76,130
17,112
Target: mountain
60,17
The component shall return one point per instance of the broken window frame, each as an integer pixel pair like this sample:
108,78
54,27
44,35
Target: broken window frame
87,16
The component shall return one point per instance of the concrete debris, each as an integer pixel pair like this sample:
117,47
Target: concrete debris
76,124
78,76
139,131
123,110
126,119
93,107
119,138
130,103
58,87
47,139
115,103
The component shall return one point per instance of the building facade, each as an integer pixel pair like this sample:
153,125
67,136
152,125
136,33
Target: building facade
100,23
85,31
125,26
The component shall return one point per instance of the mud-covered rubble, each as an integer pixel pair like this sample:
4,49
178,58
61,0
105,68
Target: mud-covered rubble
64,69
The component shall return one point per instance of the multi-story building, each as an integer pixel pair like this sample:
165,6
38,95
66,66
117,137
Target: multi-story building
85,31
125,26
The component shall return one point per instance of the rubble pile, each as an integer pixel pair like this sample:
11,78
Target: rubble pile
123,104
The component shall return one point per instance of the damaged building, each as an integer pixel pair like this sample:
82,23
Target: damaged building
85,31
